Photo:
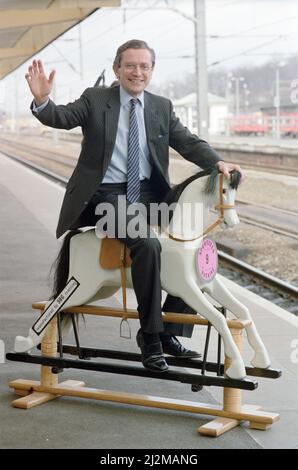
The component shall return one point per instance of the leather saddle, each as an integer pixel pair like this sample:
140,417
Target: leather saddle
114,254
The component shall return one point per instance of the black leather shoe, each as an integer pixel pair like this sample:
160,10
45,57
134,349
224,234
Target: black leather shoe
152,357
173,347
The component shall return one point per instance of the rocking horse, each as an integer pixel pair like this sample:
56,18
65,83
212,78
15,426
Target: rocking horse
88,270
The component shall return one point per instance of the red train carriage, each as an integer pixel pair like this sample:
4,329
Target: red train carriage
249,124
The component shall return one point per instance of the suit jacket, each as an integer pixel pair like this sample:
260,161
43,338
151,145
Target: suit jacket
97,113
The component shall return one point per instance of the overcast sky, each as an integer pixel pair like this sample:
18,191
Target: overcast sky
238,32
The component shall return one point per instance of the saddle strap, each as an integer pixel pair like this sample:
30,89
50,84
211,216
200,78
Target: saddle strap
123,280
124,301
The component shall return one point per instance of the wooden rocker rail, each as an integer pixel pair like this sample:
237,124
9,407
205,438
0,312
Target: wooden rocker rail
88,353
229,415
183,377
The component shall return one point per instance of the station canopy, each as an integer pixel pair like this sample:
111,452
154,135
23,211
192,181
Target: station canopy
27,26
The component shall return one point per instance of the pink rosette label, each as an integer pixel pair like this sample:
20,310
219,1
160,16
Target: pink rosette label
207,260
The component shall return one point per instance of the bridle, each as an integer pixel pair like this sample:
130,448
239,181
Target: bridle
220,219
220,206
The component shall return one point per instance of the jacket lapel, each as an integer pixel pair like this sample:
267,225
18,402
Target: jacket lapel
151,120
152,125
111,123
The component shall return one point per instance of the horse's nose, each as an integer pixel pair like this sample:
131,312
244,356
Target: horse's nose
231,219
224,225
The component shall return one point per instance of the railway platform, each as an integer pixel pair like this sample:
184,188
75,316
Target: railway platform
29,208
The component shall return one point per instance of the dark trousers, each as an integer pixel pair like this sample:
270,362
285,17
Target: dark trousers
145,256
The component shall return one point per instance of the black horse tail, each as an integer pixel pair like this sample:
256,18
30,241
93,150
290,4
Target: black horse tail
61,272
61,265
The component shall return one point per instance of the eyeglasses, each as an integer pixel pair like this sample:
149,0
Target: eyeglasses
133,67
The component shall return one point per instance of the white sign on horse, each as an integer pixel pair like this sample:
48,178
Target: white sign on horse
55,306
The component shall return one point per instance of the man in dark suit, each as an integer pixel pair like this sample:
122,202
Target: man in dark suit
127,133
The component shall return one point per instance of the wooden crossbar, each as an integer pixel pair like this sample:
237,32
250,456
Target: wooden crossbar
169,317
246,413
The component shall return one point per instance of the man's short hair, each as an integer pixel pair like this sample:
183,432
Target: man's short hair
133,44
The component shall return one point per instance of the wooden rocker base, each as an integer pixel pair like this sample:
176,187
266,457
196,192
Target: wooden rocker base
230,414
38,394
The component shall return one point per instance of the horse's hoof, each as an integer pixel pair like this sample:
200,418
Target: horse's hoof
261,360
236,371
23,344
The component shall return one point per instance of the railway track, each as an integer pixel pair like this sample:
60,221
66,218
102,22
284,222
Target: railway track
281,221
269,287
276,163
266,217
277,169
52,161
281,161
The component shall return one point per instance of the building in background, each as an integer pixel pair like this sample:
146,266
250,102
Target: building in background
186,110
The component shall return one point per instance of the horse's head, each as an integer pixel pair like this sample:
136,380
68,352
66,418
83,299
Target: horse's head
210,189
223,193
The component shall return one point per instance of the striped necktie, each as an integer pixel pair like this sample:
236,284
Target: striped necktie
133,159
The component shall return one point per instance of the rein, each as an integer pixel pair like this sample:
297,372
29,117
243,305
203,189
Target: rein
220,219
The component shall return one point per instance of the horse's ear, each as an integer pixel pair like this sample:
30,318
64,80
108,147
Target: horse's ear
235,179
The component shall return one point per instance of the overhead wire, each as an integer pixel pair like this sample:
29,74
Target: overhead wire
229,36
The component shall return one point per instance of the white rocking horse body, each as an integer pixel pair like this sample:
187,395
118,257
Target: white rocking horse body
178,273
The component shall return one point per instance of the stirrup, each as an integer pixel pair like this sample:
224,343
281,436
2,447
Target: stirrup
125,334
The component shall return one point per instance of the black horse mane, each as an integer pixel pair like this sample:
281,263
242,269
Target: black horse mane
235,178
176,191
